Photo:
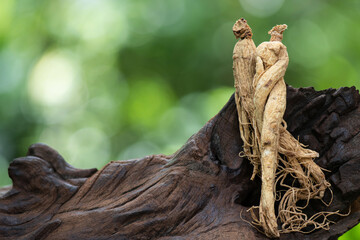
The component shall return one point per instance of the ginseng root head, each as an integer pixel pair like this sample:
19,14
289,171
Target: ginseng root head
277,32
241,29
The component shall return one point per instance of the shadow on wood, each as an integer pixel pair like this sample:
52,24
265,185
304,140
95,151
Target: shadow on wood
196,193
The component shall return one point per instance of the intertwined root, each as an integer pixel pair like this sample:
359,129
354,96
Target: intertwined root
311,184
275,154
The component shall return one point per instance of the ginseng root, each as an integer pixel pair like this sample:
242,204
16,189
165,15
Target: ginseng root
261,100
244,60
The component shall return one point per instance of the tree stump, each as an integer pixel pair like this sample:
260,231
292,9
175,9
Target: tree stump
200,192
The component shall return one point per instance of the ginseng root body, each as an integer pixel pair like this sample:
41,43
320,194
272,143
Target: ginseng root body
261,100
270,103
244,63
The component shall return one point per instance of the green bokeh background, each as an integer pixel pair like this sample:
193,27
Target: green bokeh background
103,80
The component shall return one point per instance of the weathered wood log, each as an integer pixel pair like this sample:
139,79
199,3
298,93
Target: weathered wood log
198,192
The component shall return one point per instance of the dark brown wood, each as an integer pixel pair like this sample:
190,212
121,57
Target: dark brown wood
196,193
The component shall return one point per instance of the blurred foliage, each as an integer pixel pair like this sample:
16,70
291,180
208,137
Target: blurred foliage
101,80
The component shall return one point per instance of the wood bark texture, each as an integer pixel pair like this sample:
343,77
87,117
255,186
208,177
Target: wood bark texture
196,193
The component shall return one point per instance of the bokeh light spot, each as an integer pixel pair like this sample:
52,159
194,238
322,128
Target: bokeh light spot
54,80
6,12
261,8
147,101
217,99
307,43
88,147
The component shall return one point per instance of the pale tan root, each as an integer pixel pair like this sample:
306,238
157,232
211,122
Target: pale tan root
301,159
261,100
290,214
244,60
273,113
270,102
265,85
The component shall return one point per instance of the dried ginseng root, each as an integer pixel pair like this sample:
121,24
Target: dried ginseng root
261,100
270,103
244,62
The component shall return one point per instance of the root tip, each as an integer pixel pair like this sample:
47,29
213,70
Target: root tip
277,32
241,29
